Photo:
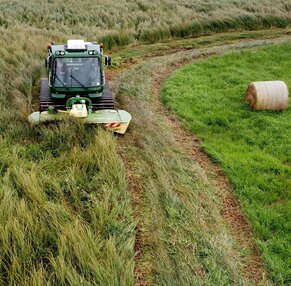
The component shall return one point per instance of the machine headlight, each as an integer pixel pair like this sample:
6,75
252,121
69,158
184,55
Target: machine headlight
60,53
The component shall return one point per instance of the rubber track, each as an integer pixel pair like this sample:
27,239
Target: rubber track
104,102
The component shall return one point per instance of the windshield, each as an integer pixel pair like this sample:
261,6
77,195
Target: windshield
76,72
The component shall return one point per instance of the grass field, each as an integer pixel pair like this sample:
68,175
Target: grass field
253,148
78,205
69,214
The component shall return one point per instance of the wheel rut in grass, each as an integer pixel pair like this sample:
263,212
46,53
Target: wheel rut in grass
135,190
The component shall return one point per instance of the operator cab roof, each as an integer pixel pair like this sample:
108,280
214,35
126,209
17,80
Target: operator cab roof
76,45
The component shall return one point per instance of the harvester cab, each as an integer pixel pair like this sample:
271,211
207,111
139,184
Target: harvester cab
76,86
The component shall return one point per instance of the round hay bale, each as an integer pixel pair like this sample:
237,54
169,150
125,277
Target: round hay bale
268,95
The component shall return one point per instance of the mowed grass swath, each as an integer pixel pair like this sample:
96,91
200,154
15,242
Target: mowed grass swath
184,238
124,22
252,147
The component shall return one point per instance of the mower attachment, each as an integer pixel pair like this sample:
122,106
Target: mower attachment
114,120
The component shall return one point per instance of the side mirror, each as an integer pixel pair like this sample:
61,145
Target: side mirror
107,60
47,62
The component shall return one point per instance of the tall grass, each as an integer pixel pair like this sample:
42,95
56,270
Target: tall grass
123,22
66,217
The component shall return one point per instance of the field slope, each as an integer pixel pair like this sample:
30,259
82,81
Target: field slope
252,147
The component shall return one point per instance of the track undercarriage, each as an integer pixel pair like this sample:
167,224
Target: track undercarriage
104,102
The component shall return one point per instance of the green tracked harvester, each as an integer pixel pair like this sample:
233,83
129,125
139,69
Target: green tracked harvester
76,86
